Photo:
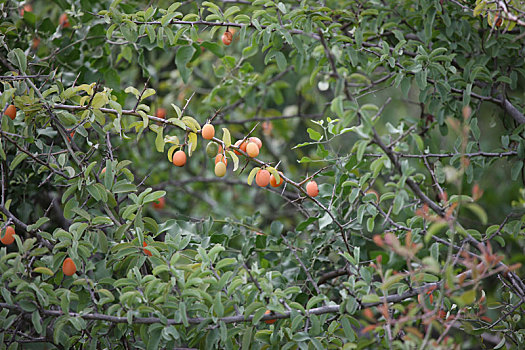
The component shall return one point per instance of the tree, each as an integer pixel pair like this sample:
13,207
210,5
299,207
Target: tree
407,115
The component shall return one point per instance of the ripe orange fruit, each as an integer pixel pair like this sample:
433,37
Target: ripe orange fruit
498,20
267,127
9,236
103,171
147,252
63,20
312,189
227,38
256,140
161,113
271,320
26,8
208,131
273,180
220,169
179,158
262,178
221,158
68,267
10,111
252,149
159,203
36,42
242,146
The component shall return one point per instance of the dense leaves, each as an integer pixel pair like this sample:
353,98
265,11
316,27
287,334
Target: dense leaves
407,115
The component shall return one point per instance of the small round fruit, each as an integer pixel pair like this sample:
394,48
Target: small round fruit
221,158
256,140
273,180
179,158
220,169
227,38
159,203
68,267
312,189
252,149
270,321
262,178
9,236
103,171
161,113
212,149
63,20
242,146
147,252
208,131
26,8
10,111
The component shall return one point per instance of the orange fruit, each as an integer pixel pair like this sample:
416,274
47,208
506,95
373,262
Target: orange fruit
312,189
63,20
208,131
159,203
26,8
147,252
227,38
271,320
103,171
273,180
252,149
10,111
9,236
68,267
256,140
267,127
262,178
161,113
36,42
242,146
498,20
179,158
220,169
221,158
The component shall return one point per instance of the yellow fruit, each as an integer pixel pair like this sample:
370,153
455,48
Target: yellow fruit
208,131
220,169
179,158
252,149
262,178
312,189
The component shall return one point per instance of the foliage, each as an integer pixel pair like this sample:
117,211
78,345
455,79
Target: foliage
408,115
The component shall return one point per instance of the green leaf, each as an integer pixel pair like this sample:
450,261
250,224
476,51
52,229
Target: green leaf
18,58
182,58
159,141
252,175
17,160
226,138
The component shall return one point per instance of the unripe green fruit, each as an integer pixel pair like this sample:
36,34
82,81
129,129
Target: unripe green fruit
212,149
